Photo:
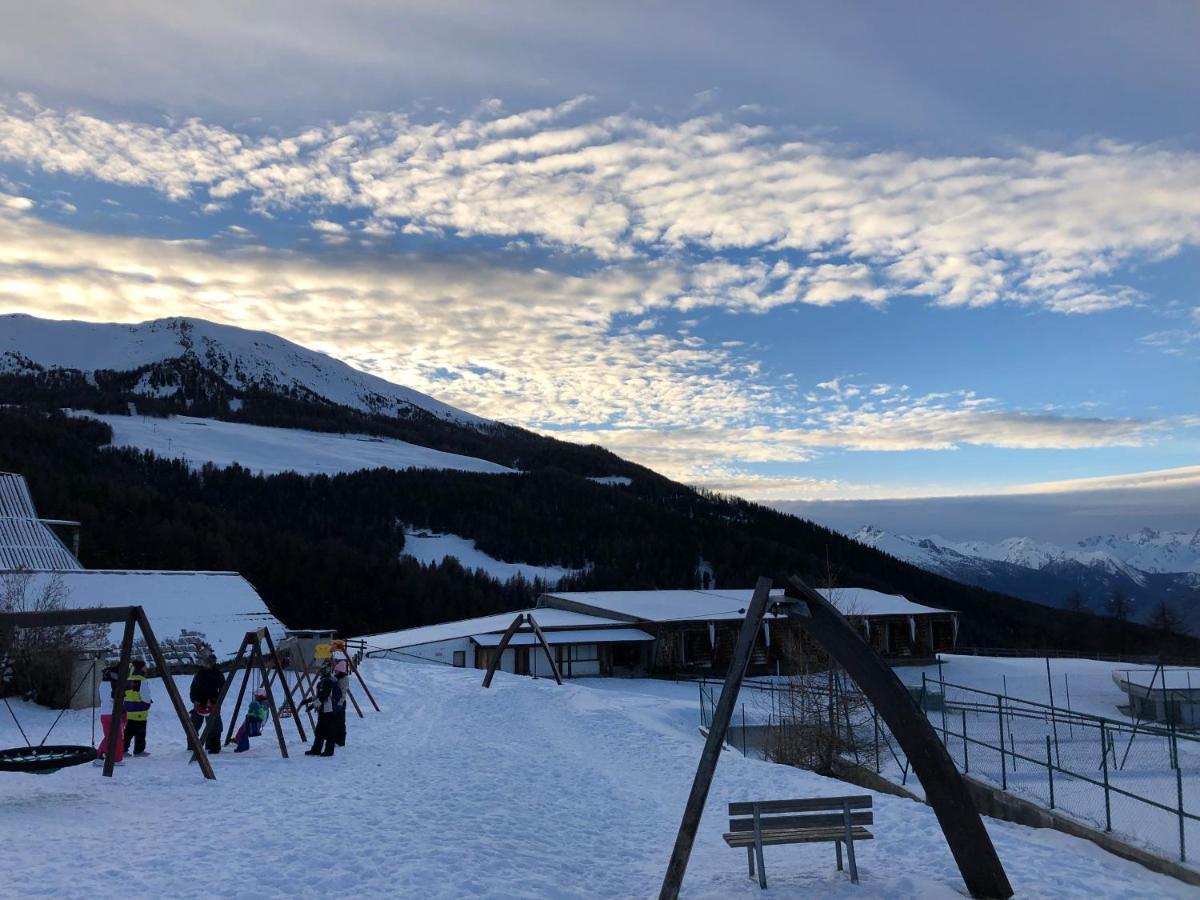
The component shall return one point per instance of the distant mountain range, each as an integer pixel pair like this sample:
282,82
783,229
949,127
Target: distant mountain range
1147,566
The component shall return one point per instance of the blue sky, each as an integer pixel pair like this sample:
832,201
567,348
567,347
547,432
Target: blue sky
794,251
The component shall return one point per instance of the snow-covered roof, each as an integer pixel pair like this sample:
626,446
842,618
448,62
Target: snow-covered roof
717,605
573,636
863,602
547,619
223,606
26,542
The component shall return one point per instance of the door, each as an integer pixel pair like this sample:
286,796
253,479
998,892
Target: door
521,660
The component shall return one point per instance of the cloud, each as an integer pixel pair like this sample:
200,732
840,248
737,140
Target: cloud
789,220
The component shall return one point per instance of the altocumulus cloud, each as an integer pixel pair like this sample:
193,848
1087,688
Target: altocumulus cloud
801,221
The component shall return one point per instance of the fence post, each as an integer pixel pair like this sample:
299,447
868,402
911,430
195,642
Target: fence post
1003,764
743,731
1104,761
966,757
1050,770
875,719
1179,793
703,721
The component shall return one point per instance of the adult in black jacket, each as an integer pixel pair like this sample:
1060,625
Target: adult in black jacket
204,693
330,701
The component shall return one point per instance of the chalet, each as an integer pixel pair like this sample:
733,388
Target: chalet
603,633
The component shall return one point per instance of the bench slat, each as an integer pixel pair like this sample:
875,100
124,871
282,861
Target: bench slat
813,820
803,836
862,801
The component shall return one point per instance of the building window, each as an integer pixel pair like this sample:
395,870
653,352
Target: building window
460,659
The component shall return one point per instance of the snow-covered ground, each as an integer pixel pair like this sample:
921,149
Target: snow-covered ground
433,548
521,791
273,450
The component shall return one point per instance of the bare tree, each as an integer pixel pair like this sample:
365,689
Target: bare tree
1119,605
1165,617
1075,602
42,659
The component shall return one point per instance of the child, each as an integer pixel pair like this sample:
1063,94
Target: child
256,717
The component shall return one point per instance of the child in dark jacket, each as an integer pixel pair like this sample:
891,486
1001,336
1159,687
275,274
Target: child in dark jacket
330,701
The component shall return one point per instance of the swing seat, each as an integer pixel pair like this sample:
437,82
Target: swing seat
44,760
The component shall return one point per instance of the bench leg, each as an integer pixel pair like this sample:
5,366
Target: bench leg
762,867
850,859
750,859
838,849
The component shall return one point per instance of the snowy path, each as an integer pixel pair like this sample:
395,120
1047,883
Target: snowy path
526,790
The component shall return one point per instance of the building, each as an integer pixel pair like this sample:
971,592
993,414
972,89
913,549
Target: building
602,633
27,542
190,612
1167,696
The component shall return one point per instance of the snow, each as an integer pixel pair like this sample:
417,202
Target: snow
447,631
431,549
616,480
243,358
526,790
725,604
223,606
273,450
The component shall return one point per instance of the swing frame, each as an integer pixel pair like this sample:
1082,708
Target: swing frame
133,617
254,660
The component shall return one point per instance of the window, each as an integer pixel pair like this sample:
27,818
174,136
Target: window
460,659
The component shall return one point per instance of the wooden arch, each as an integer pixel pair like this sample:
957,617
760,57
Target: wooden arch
524,623
944,787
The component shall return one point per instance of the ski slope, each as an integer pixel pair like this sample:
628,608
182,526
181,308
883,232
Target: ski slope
526,790
273,450
433,548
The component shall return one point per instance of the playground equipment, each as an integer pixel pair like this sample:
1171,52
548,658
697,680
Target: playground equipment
524,623
250,658
45,759
945,789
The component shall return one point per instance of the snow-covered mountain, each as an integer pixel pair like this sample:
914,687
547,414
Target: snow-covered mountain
1146,566
165,349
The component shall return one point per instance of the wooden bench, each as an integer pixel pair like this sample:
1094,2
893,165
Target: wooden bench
757,823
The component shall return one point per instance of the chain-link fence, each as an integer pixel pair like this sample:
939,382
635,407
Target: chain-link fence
1139,781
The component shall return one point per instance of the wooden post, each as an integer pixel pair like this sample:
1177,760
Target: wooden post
509,632
545,646
291,704
237,706
173,692
118,706
256,657
354,668
717,730
944,787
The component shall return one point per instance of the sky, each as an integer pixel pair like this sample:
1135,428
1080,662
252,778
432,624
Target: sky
823,255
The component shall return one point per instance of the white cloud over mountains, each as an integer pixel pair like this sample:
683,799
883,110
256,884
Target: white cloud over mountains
563,352
787,220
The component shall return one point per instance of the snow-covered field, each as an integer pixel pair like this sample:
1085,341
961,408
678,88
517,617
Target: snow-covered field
433,548
273,450
525,790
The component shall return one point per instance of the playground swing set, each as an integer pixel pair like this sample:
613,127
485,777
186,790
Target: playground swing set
45,759
257,659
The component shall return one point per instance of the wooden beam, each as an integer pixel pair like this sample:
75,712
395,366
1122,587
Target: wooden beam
509,632
354,668
717,730
173,692
944,787
252,640
256,657
118,706
545,646
287,690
